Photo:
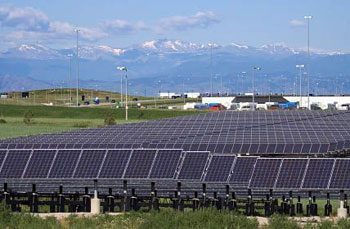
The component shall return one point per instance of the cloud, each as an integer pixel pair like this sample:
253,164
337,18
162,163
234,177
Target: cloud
123,27
26,18
297,23
199,20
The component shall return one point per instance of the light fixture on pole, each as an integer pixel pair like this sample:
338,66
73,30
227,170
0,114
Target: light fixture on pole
243,73
308,18
255,69
70,78
126,90
300,66
77,65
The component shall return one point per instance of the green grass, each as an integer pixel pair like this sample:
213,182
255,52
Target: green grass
165,218
52,119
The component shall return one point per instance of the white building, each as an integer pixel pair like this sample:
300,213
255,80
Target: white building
169,95
193,95
324,102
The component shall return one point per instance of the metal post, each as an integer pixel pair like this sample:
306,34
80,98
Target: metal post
308,17
126,95
211,70
77,66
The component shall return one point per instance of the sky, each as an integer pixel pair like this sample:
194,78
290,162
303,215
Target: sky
123,23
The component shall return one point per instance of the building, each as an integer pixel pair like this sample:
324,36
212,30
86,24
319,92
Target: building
193,95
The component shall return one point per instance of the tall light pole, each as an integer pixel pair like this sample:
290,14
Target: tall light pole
70,79
211,70
299,66
308,18
126,90
243,73
77,65
255,69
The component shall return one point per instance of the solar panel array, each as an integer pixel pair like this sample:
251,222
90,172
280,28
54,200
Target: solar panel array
258,173
254,133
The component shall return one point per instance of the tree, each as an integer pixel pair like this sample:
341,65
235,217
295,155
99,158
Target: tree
109,118
28,116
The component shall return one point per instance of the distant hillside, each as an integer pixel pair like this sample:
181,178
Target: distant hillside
170,65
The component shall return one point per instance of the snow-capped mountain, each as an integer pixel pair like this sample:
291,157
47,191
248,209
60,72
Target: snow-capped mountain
167,61
162,46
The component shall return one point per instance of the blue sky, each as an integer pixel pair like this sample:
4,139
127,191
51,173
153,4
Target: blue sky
123,23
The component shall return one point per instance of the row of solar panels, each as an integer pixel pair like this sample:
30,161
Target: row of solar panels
253,172
296,132
271,148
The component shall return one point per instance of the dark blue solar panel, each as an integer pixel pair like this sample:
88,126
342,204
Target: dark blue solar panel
2,156
39,164
64,164
318,173
89,164
140,164
243,170
115,163
265,173
15,163
193,165
291,173
165,164
341,174
219,168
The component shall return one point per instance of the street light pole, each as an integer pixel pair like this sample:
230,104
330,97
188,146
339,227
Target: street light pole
77,66
308,18
211,70
255,69
70,79
300,66
126,90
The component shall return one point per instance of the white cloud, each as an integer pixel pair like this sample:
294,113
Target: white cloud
199,20
123,27
297,23
23,18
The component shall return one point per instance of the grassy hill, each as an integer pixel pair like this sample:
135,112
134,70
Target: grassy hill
51,119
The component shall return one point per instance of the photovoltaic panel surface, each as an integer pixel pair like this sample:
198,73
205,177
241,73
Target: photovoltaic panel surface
242,170
140,164
219,168
39,164
15,163
64,164
265,173
115,163
318,173
165,163
89,164
291,173
341,174
193,165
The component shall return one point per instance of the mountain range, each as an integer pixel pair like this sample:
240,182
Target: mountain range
173,65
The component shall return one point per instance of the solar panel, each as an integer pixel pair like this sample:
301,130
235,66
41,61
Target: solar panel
341,174
318,173
115,164
291,173
15,163
193,165
219,168
64,164
140,164
265,173
165,164
39,164
242,170
89,164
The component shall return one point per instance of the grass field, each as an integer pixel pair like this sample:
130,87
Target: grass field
51,119
165,218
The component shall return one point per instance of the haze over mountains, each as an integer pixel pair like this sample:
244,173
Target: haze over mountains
173,65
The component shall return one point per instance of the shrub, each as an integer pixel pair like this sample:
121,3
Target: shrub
109,118
2,121
28,116
81,124
279,221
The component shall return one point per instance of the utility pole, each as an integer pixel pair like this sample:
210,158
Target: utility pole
308,18
77,66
